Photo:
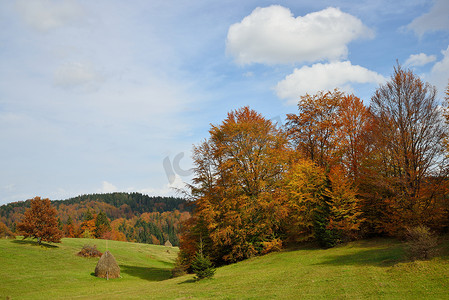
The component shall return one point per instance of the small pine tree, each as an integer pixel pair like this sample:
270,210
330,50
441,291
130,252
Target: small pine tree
201,265
325,236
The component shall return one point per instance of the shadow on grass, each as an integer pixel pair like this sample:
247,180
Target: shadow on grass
150,274
34,243
366,243
188,281
383,257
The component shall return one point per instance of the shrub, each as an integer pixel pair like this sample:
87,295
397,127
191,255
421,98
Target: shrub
178,269
202,267
89,251
271,246
421,243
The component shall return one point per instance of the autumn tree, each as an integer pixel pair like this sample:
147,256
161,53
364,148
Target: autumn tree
345,210
305,187
5,232
87,227
193,231
102,225
40,222
321,205
237,174
313,131
69,228
330,130
408,137
355,123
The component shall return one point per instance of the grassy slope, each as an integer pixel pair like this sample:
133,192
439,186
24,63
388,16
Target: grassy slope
365,269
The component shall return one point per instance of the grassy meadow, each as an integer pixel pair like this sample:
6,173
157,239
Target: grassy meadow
372,269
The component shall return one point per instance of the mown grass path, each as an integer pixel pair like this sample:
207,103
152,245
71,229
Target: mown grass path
374,269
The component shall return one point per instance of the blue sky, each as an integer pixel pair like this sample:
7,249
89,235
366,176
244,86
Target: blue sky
103,96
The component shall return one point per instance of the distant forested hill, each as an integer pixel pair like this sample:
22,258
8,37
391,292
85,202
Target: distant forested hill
132,216
137,203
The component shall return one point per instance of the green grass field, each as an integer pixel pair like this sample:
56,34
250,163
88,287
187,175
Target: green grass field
374,269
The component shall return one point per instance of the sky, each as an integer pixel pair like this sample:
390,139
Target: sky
110,96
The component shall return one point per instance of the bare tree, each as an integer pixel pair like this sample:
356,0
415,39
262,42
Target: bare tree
410,133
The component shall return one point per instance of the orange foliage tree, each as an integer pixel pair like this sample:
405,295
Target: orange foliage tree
304,188
313,131
87,228
339,169
237,175
69,228
114,235
321,205
330,130
40,222
345,211
5,232
355,123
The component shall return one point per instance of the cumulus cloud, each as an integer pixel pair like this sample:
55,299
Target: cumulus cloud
169,189
272,35
416,60
80,76
436,19
439,75
107,187
324,77
44,15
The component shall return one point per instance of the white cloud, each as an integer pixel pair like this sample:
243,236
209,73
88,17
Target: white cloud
107,187
272,35
436,19
439,75
45,15
8,187
169,189
324,77
80,76
419,59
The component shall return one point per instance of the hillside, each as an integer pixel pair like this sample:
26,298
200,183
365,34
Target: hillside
116,205
138,203
374,269
133,216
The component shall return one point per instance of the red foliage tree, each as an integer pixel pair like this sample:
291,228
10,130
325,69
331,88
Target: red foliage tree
40,222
